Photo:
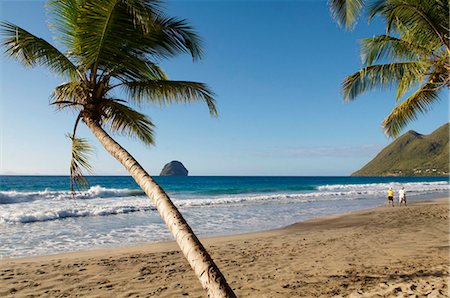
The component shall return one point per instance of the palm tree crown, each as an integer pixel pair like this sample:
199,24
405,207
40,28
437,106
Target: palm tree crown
109,46
417,49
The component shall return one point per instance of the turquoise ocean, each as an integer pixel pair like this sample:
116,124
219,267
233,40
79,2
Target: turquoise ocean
39,215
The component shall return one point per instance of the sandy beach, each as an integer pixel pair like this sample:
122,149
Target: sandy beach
382,252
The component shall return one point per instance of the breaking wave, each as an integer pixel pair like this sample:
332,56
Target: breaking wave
28,207
11,197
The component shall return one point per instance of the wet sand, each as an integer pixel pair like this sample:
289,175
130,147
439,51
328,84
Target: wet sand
382,252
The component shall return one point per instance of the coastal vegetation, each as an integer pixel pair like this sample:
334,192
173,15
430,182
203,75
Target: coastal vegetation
413,55
412,154
109,67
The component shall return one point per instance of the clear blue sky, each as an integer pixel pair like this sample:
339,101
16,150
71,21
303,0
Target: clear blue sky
276,67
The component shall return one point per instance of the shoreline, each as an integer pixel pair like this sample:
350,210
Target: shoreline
41,220
379,251
166,245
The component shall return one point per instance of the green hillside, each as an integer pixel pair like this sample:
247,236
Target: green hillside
412,154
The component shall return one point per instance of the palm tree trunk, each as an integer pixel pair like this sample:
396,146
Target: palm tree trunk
206,270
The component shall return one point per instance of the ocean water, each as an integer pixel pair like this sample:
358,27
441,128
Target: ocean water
39,215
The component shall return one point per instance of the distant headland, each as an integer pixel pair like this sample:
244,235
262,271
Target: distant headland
412,154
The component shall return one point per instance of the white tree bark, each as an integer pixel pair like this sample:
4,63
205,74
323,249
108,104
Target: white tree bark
204,267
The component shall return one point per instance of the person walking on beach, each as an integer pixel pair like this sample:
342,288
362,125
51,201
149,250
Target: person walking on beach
390,194
402,196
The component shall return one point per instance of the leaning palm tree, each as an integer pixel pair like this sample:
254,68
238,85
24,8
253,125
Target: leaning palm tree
111,49
413,55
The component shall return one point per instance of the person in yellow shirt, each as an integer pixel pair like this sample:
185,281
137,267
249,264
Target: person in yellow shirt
390,194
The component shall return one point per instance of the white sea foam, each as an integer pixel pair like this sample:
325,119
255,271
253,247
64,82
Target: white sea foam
240,200
39,211
11,197
46,215
377,187
324,193
29,207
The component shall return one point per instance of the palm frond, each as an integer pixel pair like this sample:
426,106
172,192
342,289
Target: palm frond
426,21
102,18
418,103
81,151
383,76
123,119
71,94
385,46
32,51
167,92
141,11
172,36
108,32
63,19
346,12
136,69
374,8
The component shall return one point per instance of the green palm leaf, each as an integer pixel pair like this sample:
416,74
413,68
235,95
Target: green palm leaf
63,19
123,119
32,51
346,12
419,102
427,21
172,36
135,69
405,74
167,92
81,151
72,94
385,46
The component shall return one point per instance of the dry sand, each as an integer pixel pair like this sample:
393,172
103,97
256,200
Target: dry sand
383,252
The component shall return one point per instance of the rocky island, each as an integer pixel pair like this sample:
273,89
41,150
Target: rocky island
174,168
